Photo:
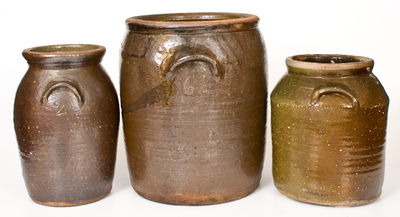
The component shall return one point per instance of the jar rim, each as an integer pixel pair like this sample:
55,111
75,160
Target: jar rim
209,20
329,64
64,53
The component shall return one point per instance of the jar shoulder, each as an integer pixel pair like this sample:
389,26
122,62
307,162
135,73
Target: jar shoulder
227,47
89,85
365,89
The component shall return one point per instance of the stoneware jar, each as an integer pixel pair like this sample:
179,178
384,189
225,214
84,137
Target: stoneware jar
329,115
66,117
193,96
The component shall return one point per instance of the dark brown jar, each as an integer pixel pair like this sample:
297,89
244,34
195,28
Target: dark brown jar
193,96
66,117
329,115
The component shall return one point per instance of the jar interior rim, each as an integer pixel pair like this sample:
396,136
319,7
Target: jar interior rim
65,48
330,59
190,17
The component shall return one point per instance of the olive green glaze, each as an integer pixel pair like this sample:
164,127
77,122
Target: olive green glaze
193,96
66,118
329,116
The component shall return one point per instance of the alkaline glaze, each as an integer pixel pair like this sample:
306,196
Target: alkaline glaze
66,118
329,115
193,97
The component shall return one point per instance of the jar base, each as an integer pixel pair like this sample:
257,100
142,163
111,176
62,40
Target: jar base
193,199
348,203
63,204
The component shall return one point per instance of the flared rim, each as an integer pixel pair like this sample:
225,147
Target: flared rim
64,50
329,64
211,20
63,53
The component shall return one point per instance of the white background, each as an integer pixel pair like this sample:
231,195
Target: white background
368,28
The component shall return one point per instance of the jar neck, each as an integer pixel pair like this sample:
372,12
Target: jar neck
329,65
64,56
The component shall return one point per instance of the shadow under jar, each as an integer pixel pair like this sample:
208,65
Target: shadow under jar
193,97
329,115
66,117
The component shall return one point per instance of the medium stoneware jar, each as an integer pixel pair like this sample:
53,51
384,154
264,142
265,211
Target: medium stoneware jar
193,96
329,115
66,117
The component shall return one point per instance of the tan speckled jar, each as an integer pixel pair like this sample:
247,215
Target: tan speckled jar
329,115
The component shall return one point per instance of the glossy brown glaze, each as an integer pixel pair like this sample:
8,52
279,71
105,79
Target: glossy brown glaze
329,115
193,96
66,118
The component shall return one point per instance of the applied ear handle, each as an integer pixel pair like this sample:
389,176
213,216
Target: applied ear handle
183,55
62,84
333,88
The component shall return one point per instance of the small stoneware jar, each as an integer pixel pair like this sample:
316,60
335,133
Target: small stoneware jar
329,115
193,97
66,117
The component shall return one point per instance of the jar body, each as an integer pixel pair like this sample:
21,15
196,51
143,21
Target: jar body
66,121
328,135
194,111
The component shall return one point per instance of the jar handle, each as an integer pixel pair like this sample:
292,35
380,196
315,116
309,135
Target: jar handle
333,88
184,55
62,84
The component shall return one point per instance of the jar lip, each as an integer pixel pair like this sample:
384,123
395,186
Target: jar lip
237,21
62,53
339,64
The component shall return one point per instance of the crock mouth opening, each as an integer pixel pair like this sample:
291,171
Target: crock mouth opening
64,53
65,49
329,64
193,20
